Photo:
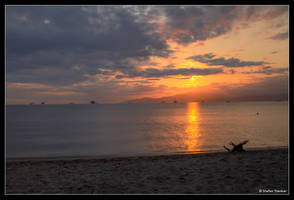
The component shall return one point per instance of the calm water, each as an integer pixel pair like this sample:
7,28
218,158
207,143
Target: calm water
134,129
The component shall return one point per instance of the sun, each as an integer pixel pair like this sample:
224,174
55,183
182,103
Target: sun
193,81
193,78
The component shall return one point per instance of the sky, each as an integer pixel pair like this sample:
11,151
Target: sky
111,54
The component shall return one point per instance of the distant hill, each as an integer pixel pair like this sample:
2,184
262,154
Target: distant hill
180,98
208,97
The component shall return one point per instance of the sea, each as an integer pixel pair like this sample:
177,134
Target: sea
117,130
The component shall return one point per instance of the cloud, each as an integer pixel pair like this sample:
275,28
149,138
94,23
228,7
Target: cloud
268,70
153,72
119,76
254,13
45,43
170,66
280,36
198,23
64,46
187,24
60,37
210,60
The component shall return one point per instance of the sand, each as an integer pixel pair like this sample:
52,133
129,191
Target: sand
251,172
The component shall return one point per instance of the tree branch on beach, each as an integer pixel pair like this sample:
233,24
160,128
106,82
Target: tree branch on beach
238,147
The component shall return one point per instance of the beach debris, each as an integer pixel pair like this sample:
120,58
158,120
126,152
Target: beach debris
236,148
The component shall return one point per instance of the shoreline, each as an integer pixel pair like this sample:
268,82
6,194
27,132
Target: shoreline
126,156
251,172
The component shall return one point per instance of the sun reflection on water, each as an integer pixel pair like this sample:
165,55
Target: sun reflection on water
192,130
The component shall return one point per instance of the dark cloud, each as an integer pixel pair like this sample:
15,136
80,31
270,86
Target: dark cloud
153,72
198,23
119,76
210,59
232,71
255,13
61,37
268,70
79,29
104,72
153,79
280,36
170,66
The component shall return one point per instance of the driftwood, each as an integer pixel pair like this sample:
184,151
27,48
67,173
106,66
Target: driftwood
236,148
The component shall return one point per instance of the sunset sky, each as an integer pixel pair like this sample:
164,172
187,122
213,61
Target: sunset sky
110,54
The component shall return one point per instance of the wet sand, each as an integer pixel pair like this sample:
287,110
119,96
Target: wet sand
251,172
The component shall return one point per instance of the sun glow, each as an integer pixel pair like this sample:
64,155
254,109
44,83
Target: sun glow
194,78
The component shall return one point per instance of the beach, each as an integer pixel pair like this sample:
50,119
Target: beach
251,172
